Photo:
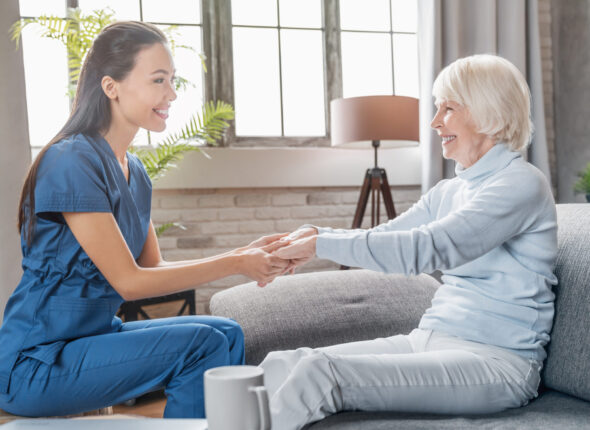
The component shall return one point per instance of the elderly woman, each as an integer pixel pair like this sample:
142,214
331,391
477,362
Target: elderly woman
492,232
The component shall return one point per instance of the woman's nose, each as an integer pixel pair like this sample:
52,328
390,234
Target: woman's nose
435,123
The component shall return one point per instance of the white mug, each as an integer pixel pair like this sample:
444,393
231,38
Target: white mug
236,399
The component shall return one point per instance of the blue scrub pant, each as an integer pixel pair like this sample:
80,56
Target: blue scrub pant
98,371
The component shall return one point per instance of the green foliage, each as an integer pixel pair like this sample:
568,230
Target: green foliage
162,228
76,32
583,183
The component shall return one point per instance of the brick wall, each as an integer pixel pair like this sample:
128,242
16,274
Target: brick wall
219,220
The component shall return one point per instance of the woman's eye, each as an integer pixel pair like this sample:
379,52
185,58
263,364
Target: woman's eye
159,80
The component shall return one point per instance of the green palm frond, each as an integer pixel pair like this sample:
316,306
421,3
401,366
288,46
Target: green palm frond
159,160
76,32
162,228
207,127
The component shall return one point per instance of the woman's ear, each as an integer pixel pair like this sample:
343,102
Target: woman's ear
109,86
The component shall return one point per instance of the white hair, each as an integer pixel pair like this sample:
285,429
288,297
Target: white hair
494,92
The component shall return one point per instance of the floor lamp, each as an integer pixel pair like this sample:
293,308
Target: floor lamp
374,121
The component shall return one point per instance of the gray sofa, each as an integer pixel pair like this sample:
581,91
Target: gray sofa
325,308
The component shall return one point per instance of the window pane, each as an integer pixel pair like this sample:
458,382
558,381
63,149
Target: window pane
173,11
188,66
256,82
301,13
366,64
123,9
42,7
303,82
364,15
405,55
254,12
404,15
46,82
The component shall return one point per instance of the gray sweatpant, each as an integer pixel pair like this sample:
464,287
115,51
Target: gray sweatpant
425,371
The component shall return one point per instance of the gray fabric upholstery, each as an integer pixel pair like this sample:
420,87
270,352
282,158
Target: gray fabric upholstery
567,368
325,308
552,410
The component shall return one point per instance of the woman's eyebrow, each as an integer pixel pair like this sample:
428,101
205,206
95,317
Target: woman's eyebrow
166,72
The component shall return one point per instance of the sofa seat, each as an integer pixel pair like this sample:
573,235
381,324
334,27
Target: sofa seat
551,410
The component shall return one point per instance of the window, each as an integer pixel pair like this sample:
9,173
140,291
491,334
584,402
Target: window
278,62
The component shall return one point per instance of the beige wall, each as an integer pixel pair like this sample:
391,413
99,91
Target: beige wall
14,150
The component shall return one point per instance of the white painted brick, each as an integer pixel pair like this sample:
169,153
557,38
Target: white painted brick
178,202
289,199
216,201
256,227
201,242
287,225
272,213
406,194
161,216
219,227
247,200
234,240
236,214
324,198
167,242
199,215
306,212
351,196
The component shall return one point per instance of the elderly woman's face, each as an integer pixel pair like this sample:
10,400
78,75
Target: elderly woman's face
460,139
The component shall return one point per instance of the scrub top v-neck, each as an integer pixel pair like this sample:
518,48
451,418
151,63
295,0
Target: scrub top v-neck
62,295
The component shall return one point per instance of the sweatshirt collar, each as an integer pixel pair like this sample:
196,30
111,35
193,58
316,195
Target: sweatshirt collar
498,157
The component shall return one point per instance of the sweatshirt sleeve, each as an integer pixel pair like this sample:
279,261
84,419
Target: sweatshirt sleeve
417,215
499,211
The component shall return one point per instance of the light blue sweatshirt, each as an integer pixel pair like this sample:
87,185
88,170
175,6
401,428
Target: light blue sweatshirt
492,231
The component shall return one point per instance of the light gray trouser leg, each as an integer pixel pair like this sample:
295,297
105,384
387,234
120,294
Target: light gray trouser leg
423,372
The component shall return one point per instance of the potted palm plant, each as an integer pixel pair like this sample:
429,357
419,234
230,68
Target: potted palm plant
583,183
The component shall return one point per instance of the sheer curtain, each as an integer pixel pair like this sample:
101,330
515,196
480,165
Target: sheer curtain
15,153
451,29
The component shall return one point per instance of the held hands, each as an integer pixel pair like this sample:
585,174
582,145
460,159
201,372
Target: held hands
274,255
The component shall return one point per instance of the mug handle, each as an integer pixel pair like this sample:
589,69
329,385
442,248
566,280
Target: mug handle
263,408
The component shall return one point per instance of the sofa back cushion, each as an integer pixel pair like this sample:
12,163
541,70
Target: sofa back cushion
567,368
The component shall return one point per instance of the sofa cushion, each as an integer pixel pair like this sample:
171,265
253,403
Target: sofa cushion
568,363
324,308
552,410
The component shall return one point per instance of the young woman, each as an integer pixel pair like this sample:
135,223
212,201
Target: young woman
88,244
492,231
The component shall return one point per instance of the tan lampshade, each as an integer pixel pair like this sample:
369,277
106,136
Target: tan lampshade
356,121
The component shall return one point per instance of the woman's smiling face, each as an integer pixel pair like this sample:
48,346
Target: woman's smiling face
460,139
145,94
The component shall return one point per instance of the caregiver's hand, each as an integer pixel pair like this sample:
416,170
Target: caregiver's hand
299,251
259,264
267,240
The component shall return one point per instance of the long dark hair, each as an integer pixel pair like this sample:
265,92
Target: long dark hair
112,54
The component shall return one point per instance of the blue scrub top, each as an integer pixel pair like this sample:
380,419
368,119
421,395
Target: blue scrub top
62,295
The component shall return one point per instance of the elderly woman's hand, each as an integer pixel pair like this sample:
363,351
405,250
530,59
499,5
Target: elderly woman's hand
299,251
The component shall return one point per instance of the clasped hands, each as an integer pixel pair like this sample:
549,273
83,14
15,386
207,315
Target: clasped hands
277,254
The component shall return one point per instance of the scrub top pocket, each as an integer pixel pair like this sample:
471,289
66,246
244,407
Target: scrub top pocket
74,317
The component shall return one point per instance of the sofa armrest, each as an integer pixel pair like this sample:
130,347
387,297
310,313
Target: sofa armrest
324,308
